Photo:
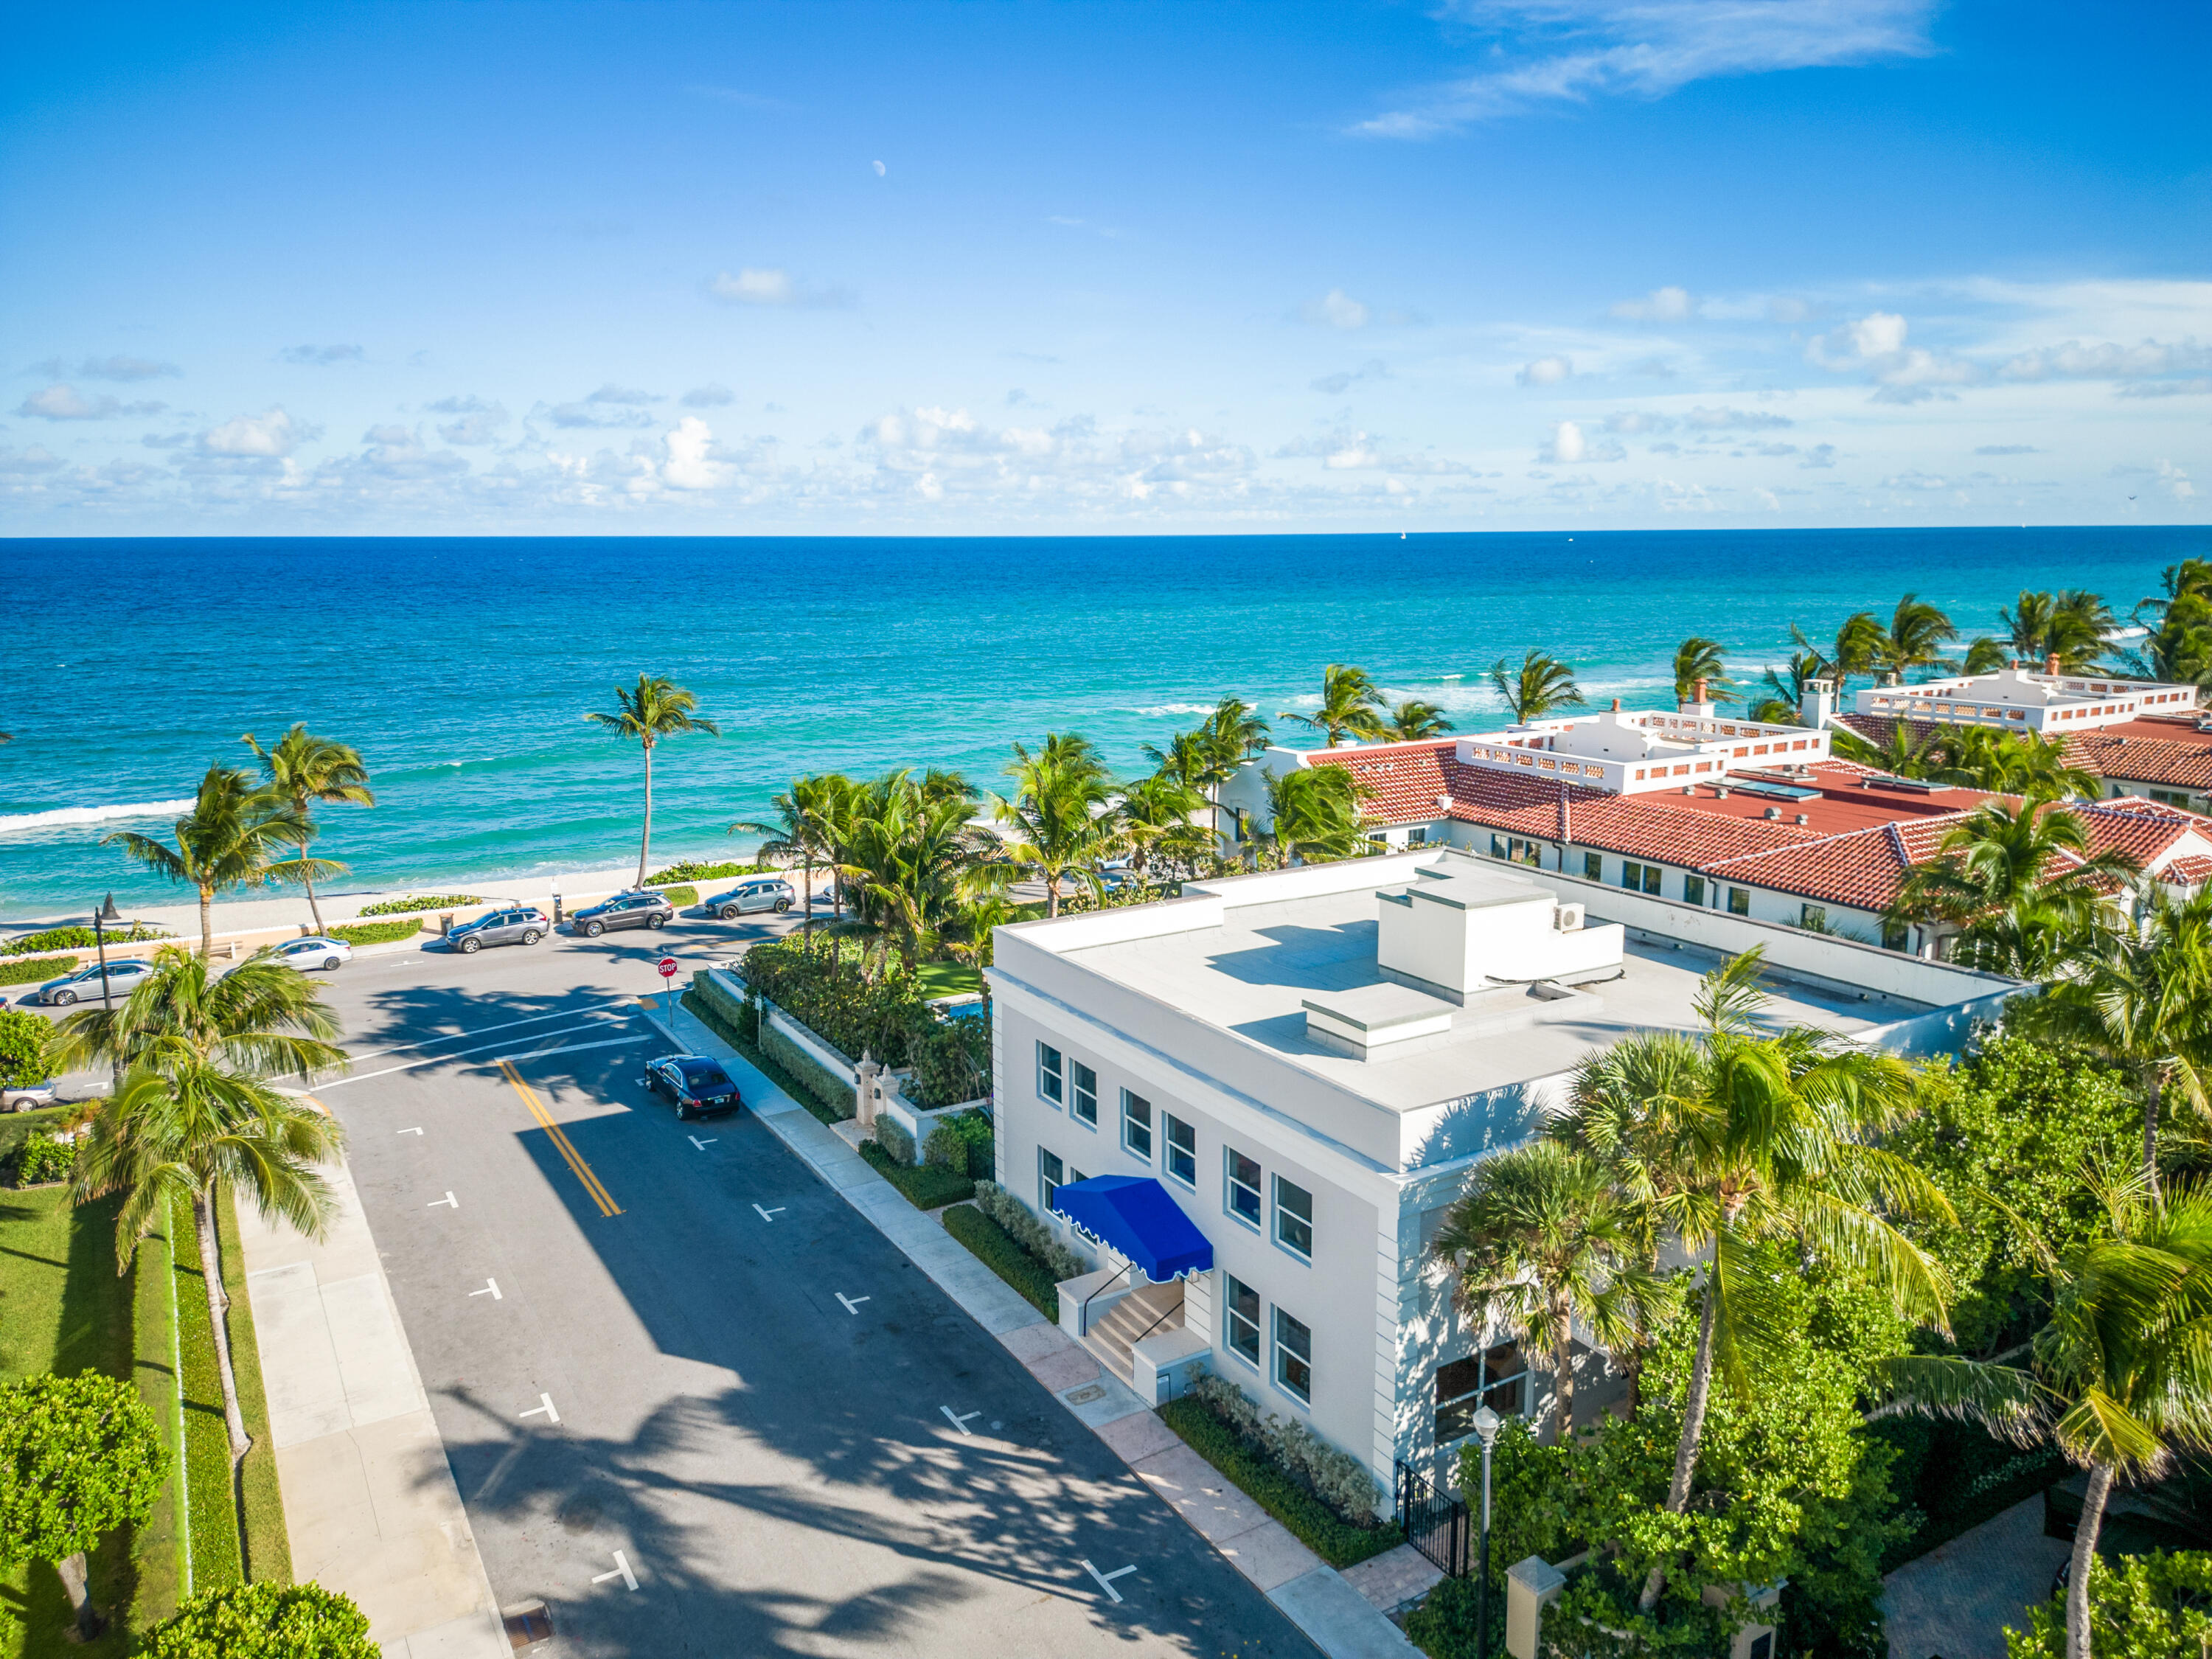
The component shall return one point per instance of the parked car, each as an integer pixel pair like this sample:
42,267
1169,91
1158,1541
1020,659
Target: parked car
84,986
757,893
314,952
636,909
699,1087
520,924
29,1096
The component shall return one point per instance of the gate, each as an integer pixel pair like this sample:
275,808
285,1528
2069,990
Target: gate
1436,1523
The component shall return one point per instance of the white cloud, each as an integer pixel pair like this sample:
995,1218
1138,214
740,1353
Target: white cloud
1724,419
1336,309
1569,445
585,413
270,436
690,464
66,402
479,421
320,356
1633,423
2148,359
107,369
713,395
879,168
611,394
1661,305
1555,51
1545,371
1820,455
1344,380
768,285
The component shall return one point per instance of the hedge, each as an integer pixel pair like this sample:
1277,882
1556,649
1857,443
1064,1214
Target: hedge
692,870
40,1159
22,1048
815,1086
996,1248
400,906
25,970
707,1007
963,1143
926,1186
1311,1522
265,1621
84,938
377,933
825,986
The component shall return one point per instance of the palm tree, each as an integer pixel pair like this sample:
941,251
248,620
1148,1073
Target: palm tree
1540,1240
2069,625
1984,656
2005,864
228,840
1060,812
1314,813
1915,637
1900,754
1698,660
2178,649
802,832
1859,645
2119,1377
2140,996
194,1110
304,770
653,709
1540,684
1413,720
1348,702
2011,763
913,857
1736,1141
1786,688
1156,813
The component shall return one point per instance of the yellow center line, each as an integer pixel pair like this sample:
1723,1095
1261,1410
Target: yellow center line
566,1149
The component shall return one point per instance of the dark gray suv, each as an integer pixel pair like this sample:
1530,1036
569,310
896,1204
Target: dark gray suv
625,910
523,925
757,893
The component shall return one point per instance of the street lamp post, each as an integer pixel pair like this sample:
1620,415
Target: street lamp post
1486,1425
107,912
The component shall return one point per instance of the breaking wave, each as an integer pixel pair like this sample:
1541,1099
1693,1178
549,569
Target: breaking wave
62,817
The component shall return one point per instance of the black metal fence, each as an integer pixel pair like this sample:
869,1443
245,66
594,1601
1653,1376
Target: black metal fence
1436,1523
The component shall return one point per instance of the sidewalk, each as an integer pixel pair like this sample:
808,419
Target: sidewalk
1336,1617
369,1501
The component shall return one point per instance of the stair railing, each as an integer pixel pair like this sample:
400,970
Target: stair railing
1083,1314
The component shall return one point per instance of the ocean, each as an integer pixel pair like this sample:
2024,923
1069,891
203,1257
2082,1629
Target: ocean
462,668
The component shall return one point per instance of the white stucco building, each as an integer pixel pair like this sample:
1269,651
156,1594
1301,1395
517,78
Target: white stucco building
1290,1077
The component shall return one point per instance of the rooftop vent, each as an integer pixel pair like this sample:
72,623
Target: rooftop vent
1773,811
1804,817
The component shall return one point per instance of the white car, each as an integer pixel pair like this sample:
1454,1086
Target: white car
315,951
84,986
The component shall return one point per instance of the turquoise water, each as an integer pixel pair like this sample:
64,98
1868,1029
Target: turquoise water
462,668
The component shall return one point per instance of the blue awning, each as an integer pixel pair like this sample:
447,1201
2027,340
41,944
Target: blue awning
1134,1215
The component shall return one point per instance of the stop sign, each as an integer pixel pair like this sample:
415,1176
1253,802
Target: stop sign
668,966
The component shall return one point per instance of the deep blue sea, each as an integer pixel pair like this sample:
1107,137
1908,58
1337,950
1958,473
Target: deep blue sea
462,668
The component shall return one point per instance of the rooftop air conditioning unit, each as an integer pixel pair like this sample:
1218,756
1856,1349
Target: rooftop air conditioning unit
1567,918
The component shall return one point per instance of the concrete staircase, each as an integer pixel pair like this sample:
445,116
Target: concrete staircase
1114,1333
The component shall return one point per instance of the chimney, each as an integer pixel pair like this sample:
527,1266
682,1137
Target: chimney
1697,706
1817,707
1616,705
2050,664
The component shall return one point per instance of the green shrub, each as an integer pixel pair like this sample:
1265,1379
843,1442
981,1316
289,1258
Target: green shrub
1275,1489
69,939
2141,1606
1337,1478
376,932
264,1621
41,1158
400,906
923,1185
692,870
22,1048
962,1142
894,1139
824,985
25,970
814,1084
713,1008
1031,1233
996,1248
680,894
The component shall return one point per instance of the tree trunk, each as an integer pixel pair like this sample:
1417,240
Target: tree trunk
1563,1366
2152,1092
1693,1427
806,919
645,842
1051,892
207,924
313,909
2085,1553
211,1272
71,1568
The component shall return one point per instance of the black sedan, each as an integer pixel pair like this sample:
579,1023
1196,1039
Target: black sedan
699,1087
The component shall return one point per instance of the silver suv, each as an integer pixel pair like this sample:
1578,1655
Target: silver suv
524,924
759,893
625,910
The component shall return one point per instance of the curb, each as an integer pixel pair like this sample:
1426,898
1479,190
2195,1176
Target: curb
1333,1615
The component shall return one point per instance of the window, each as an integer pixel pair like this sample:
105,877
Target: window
1241,1318
2169,797
1896,936
1525,852
1085,1102
1694,890
1739,900
1498,847
1812,917
1049,1073
1639,878
1417,837
1294,1218
1498,1377
1050,1174
1182,1150
1137,1126
1293,1358
1593,866
1244,1187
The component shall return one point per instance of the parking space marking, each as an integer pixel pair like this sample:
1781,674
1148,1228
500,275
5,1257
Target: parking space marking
960,1418
458,1054
770,1215
851,1303
622,1572
703,1145
491,1290
411,1132
1105,1579
573,1048
582,1170
447,1202
504,1025
545,1410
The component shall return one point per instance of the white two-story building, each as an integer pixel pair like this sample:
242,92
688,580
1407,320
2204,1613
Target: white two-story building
1251,1106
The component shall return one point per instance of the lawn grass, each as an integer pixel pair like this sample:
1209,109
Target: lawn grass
1002,1253
159,1551
948,979
376,932
924,1186
1316,1525
268,1549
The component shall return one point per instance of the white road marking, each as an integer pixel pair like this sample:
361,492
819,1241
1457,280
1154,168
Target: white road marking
959,1418
622,1572
491,1290
1105,1579
575,1047
505,1025
545,1410
770,1215
411,1132
447,1201
703,1145
461,1053
851,1303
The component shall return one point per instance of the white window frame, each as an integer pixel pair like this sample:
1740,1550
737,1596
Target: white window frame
1051,1084
1049,1184
1082,1098
1303,1252
1285,1356
1231,1186
1231,1320
1148,1128
1171,1151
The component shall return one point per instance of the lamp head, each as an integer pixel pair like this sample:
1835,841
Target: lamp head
1486,1425
108,912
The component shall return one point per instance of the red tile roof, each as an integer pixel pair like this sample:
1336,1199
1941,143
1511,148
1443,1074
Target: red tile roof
2168,752
2191,869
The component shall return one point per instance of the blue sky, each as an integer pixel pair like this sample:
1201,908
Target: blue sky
950,269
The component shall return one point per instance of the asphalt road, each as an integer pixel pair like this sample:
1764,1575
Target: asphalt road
702,1358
